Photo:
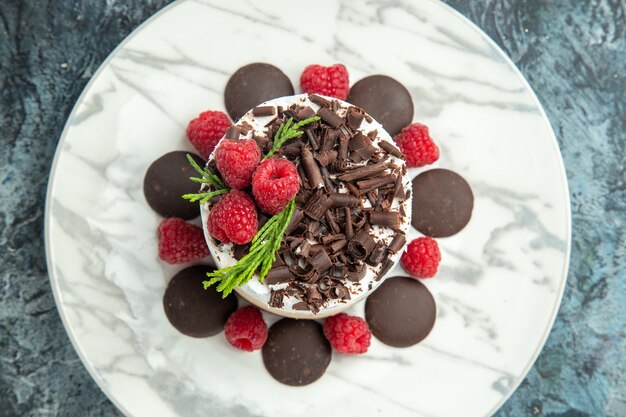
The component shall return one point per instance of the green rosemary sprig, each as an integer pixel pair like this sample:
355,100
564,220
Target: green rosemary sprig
206,177
289,130
260,258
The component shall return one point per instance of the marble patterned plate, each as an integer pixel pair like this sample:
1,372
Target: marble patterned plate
501,279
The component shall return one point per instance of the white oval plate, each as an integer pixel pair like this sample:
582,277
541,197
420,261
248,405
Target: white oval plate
501,278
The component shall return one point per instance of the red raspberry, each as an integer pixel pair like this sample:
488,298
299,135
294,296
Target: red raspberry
421,258
274,184
234,219
330,81
206,130
245,329
347,334
181,242
418,147
237,160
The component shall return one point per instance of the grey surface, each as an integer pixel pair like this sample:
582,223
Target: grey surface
572,52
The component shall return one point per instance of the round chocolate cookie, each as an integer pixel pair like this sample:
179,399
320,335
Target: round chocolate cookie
191,309
296,352
252,85
166,180
385,99
442,203
401,312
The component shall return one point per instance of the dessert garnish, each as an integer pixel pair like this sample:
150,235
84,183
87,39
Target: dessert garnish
206,177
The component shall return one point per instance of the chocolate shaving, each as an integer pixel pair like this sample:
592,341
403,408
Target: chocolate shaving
397,243
294,222
317,205
342,152
378,254
319,100
391,149
330,117
302,305
261,141
313,140
374,183
232,132
386,267
339,166
363,172
279,275
263,111
311,169
354,117
291,149
344,200
356,272
291,113
306,112
361,246
338,245
326,177
390,219
276,298
325,157
330,218
313,295
321,262
348,230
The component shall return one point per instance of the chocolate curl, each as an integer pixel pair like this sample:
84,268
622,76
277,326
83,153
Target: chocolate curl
359,141
354,117
321,262
305,249
372,134
340,292
261,141
348,230
306,112
331,219
372,196
330,117
361,246
313,140
356,272
398,190
311,169
291,149
317,205
344,200
338,245
313,295
363,172
390,219
378,254
296,218
232,132
360,219
263,111
390,149
302,305
328,239
326,176
339,166
329,139
319,100
326,157
386,267
279,275
292,113
324,285
342,153
339,271
374,183
397,243
353,190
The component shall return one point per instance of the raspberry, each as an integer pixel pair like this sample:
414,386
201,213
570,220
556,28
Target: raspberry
206,130
181,242
274,184
245,329
330,81
234,219
421,258
236,160
347,334
418,147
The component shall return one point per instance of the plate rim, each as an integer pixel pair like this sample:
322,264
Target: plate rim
54,281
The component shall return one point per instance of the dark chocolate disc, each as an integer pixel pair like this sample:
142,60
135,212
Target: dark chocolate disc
401,312
442,203
385,99
252,85
166,180
296,352
191,309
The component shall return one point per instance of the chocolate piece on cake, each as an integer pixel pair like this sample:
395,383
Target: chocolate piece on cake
166,180
191,309
401,312
253,84
385,99
296,352
442,203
